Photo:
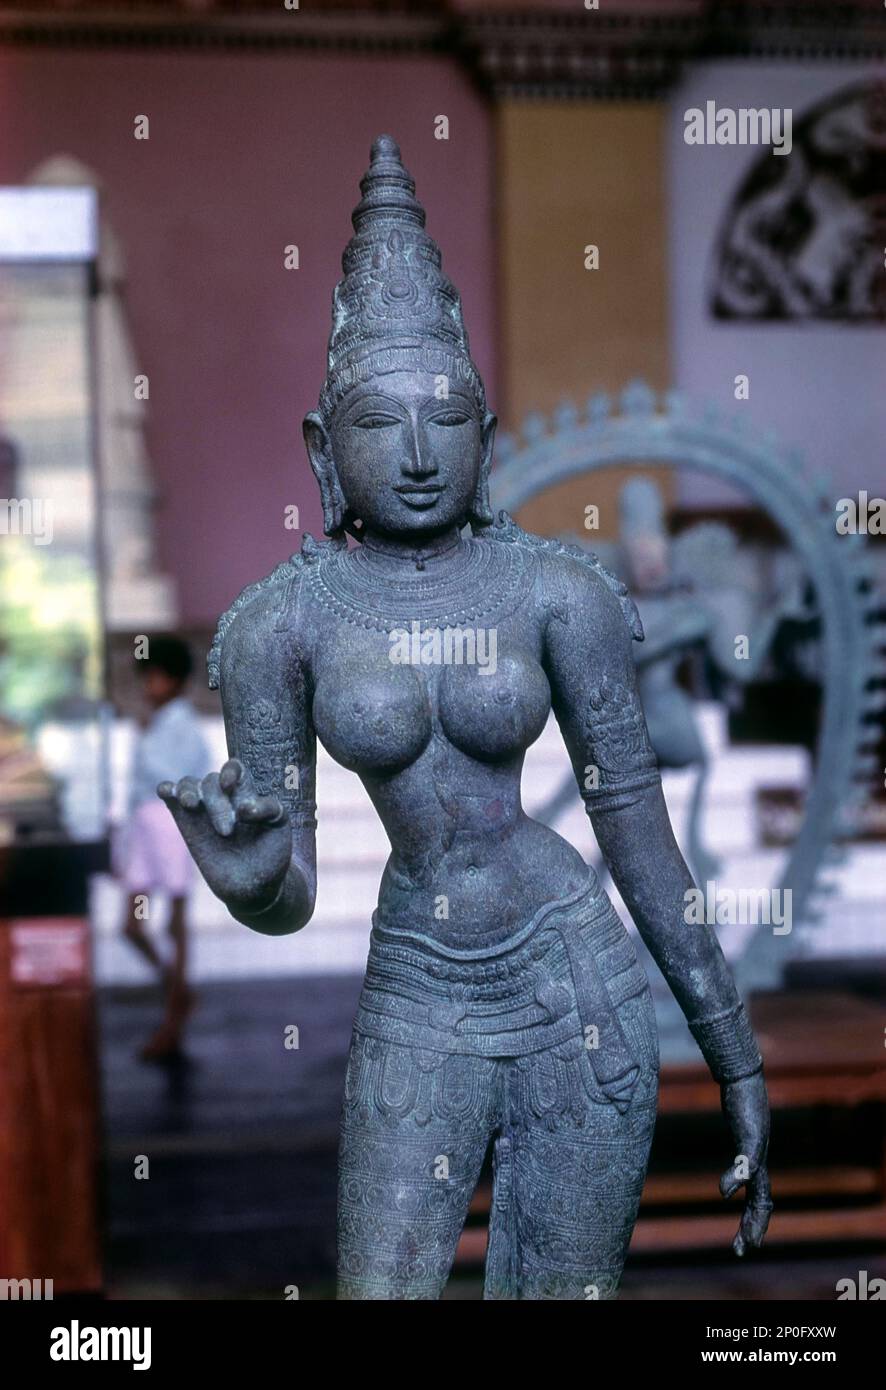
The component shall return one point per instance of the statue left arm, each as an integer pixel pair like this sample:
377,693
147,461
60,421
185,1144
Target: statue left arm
591,670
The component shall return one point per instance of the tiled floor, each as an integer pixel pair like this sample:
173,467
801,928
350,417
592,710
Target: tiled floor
240,1135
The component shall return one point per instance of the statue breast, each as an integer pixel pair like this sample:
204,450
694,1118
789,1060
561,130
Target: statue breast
373,719
378,717
494,713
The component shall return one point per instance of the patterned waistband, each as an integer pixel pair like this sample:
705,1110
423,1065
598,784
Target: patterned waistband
530,992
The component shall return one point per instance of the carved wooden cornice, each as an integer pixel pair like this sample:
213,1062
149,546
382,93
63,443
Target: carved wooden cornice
639,55
212,24
580,53
552,48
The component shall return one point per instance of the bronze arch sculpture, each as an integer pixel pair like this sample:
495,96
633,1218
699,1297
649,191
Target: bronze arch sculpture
674,432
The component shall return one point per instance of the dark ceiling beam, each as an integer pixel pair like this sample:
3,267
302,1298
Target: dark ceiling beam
174,26
543,52
578,54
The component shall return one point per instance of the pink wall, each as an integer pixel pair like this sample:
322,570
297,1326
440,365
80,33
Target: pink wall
248,153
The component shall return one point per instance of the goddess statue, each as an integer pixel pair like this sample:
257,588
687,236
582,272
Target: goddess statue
503,1002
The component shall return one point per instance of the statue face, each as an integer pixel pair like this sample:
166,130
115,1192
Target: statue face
407,461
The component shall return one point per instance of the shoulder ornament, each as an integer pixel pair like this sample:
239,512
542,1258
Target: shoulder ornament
505,528
279,586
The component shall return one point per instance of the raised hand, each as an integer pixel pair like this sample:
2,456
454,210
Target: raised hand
746,1107
241,840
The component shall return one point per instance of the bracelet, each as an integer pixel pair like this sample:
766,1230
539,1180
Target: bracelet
727,1044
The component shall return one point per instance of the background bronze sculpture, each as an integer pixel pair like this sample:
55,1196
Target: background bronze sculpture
694,592
503,1000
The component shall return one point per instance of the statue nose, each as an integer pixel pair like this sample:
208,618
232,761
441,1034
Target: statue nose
418,463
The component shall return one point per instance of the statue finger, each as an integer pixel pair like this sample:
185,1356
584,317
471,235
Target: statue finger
167,793
753,1226
238,784
231,776
221,813
187,792
256,810
730,1182
759,1187
758,1225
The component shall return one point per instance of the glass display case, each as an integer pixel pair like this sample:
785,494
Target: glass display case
52,716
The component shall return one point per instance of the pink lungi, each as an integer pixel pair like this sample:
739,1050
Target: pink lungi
153,854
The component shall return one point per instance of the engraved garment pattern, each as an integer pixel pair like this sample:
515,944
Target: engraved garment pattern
453,1050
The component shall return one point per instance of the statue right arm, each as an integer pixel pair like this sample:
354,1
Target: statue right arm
264,691
251,826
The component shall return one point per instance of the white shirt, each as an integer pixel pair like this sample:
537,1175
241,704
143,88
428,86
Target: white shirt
172,746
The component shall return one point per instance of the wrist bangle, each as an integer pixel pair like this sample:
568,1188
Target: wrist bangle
728,1045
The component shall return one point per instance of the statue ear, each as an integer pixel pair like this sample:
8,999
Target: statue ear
481,508
319,447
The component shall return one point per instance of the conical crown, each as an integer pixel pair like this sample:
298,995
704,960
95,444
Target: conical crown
395,309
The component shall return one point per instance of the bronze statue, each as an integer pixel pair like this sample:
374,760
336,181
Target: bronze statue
694,592
503,1001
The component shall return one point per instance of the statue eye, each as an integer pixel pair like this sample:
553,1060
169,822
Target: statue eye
375,422
450,418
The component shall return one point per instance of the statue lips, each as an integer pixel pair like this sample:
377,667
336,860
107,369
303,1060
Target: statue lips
419,495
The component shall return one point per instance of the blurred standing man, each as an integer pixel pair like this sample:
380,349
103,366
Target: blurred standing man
155,857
